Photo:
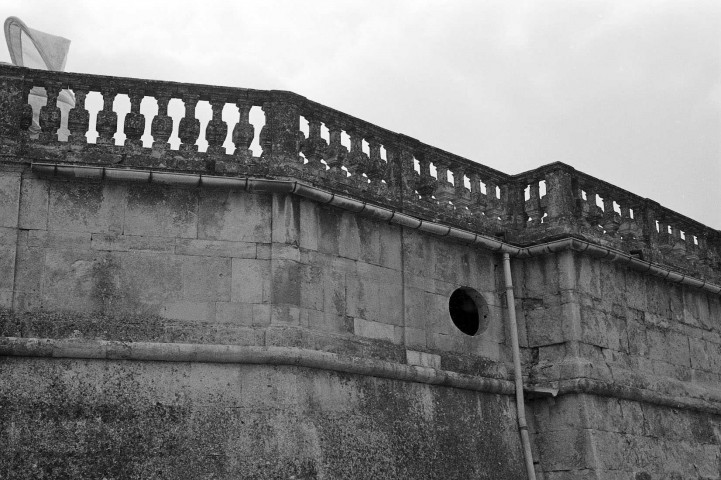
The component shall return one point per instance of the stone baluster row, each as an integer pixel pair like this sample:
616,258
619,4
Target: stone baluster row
533,208
350,167
50,119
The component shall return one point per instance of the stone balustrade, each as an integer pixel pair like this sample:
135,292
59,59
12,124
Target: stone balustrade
345,155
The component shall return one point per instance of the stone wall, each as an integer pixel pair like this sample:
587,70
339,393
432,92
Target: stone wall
637,361
167,312
88,261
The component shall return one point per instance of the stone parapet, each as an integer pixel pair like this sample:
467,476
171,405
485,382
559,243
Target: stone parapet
344,154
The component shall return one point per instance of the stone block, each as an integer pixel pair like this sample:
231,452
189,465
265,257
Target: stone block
215,248
561,413
334,291
480,347
587,278
635,290
438,318
286,282
127,243
86,207
250,281
144,278
375,330
234,313
368,240
390,303
544,326
423,359
234,216
7,266
312,287
349,237
414,337
678,349
284,315
261,314
283,251
309,222
418,255
161,211
206,278
6,299
329,220
453,343
34,202
263,251
10,236
9,198
362,297
415,308
567,450
286,219
76,280
192,311
390,246
699,354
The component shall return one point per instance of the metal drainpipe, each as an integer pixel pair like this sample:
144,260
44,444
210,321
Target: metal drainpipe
517,373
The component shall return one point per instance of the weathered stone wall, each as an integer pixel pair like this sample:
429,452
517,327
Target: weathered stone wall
86,261
133,312
637,359
144,420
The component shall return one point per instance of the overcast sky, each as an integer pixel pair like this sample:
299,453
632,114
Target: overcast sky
628,91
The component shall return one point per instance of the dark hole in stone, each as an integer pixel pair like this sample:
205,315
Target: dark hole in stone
468,310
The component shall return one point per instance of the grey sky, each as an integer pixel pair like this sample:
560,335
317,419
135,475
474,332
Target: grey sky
628,91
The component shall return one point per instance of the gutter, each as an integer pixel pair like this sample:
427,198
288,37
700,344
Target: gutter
375,212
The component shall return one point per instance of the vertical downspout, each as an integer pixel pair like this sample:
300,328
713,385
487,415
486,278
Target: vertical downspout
517,373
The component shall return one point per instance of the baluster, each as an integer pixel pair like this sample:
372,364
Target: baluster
281,137
462,197
336,152
690,247
107,120
493,210
50,114
679,244
426,183
533,204
611,219
189,127
314,146
478,199
217,129
513,201
626,227
559,202
134,125
79,117
376,166
357,162
444,189
162,125
26,115
594,214
244,131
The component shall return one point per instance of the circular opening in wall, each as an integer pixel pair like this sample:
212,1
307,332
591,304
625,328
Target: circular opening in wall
469,311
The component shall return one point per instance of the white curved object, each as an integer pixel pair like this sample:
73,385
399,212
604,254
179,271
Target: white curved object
35,49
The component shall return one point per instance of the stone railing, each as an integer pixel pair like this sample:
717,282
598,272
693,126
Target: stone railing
343,154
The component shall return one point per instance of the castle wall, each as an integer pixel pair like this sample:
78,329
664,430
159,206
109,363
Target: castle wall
637,361
87,261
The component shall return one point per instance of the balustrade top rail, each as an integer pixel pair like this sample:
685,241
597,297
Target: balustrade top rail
344,154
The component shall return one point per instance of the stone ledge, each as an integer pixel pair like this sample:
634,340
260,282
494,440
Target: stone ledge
277,356
706,401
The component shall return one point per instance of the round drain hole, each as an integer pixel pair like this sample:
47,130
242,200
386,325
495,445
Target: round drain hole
469,311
